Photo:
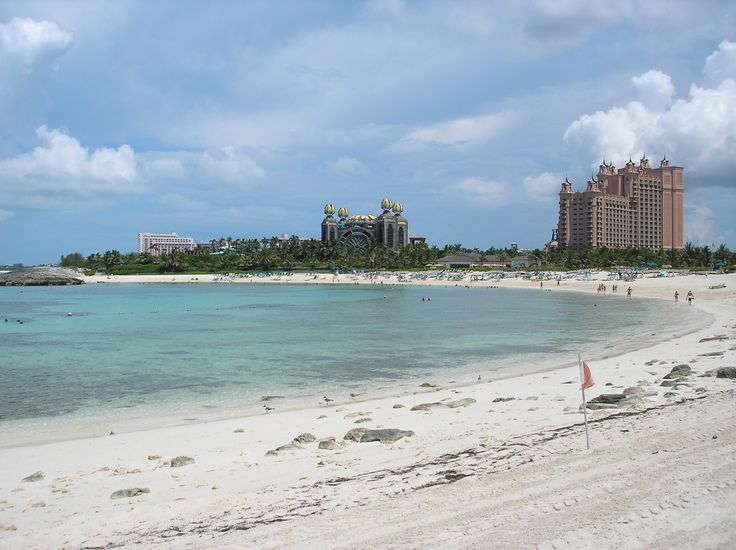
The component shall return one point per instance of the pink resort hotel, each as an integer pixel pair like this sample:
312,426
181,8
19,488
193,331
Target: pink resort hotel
635,206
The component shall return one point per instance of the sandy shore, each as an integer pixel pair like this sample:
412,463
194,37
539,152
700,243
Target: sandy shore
504,465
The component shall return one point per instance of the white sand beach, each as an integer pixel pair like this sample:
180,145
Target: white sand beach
498,464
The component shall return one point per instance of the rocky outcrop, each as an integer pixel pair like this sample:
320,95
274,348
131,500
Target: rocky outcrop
42,276
726,372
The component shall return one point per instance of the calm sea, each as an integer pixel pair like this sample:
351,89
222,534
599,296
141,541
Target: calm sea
173,353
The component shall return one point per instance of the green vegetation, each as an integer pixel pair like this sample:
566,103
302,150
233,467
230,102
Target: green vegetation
242,255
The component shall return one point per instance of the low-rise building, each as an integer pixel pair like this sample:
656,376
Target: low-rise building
164,243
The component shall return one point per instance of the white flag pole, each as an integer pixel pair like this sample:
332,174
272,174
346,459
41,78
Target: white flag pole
585,405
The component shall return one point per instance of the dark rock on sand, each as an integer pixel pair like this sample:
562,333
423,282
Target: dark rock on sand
670,394
427,385
329,444
502,399
398,406
179,461
427,406
668,383
460,403
36,476
362,420
305,438
386,435
608,398
293,446
355,434
129,493
726,372
678,371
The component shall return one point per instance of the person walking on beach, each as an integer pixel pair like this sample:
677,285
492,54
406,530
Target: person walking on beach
677,296
628,292
690,297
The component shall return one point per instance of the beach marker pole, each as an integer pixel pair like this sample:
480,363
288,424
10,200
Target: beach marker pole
585,406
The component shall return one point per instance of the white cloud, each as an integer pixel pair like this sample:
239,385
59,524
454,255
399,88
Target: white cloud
5,215
654,89
721,64
30,41
481,191
698,132
60,168
169,168
454,133
348,165
543,187
229,166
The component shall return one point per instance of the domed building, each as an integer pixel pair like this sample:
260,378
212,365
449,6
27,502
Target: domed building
362,232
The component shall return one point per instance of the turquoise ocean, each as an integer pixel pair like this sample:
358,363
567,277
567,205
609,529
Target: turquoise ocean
142,355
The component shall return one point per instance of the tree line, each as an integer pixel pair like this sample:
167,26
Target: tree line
228,255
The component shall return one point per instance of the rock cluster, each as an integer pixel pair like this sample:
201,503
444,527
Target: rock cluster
42,276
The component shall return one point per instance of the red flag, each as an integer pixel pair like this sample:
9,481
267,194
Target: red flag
587,378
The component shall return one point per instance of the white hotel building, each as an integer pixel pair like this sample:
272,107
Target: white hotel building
164,243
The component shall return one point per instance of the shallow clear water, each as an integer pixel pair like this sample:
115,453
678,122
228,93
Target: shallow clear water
168,350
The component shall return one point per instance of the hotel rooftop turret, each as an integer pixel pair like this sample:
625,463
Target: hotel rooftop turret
634,206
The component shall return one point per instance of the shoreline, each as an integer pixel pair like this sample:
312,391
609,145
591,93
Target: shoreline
233,469
164,415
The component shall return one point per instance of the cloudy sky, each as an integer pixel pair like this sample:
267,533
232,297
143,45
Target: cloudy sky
243,118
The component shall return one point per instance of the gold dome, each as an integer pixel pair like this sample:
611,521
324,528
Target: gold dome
329,209
398,208
343,212
386,204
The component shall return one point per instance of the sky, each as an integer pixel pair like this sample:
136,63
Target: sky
243,118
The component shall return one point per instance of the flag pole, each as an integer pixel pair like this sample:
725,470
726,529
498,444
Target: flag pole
585,405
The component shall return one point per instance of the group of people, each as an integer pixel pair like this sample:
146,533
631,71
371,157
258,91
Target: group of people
689,297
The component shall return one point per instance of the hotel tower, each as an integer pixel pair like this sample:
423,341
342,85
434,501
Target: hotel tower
634,206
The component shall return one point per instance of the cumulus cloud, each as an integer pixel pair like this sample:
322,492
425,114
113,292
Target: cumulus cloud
481,191
61,168
721,64
454,133
29,42
542,187
229,166
225,165
698,132
348,166
654,89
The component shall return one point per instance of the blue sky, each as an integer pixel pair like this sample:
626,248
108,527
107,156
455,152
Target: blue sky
244,118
